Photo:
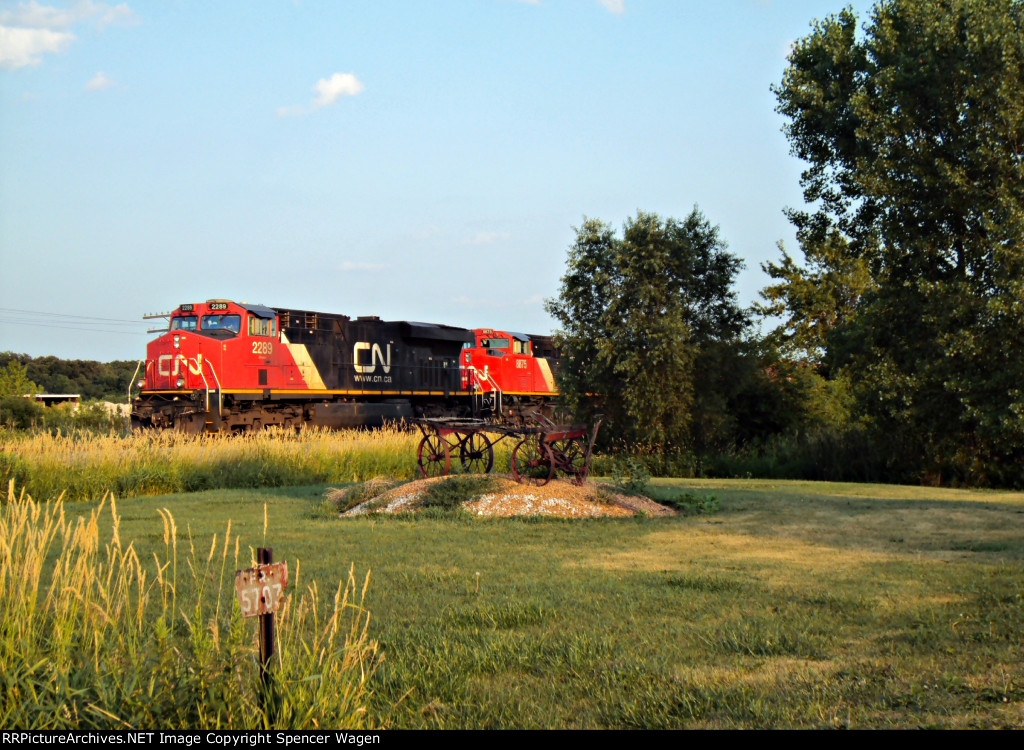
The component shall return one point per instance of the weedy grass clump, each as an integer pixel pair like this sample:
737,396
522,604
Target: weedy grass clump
343,499
691,503
94,637
451,493
630,476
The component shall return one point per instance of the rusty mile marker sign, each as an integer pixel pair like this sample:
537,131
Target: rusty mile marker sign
259,589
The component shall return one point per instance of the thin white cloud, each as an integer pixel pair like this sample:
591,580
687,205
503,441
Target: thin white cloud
425,233
99,82
327,92
487,238
31,30
493,304
618,7
350,266
32,15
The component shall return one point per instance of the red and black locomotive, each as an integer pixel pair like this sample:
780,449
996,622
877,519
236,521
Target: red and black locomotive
227,366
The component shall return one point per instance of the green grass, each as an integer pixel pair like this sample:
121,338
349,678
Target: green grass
795,604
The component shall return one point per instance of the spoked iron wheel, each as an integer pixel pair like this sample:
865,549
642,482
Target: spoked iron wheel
532,462
433,457
571,459
476,453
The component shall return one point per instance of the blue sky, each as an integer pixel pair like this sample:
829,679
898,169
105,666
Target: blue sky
412,159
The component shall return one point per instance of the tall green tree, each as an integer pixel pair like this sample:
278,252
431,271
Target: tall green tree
15,409
637,314
14,380
913,131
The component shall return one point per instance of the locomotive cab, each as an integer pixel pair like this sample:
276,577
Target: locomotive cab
205,346
504,361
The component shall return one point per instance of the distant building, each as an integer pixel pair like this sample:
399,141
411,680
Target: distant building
52,399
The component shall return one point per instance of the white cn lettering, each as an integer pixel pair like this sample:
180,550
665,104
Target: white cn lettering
163,364
376,357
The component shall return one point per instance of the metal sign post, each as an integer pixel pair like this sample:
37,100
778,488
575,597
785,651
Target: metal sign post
259,592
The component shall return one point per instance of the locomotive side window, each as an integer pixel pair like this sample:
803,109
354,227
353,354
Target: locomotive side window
229,323
496,344
262,326
184,323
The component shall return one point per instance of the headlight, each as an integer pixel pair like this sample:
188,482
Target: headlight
180,382
177,341
141,383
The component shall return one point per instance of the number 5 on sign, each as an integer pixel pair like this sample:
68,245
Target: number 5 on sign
259,589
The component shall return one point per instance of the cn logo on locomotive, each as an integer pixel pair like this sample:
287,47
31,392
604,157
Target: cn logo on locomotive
163,364
376,357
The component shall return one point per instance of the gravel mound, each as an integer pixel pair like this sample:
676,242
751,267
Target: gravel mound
508,498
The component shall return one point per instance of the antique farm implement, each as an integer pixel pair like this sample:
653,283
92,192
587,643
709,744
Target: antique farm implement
542,450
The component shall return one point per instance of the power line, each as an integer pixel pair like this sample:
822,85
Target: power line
66,315
70,327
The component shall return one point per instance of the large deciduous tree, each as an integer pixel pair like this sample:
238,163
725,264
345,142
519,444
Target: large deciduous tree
638,314
913,131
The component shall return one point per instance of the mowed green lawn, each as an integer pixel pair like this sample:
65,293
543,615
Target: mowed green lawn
796,605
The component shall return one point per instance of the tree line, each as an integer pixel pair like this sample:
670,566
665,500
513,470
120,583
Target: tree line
21,374
900,351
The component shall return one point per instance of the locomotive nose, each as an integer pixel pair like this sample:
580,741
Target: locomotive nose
174,362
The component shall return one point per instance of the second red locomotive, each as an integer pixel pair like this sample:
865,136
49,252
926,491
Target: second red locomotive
227,366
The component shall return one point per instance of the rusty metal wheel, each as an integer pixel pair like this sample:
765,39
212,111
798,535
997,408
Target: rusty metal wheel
433,457
476,453
532,462
571,459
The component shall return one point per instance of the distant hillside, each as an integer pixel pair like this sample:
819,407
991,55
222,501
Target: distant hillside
99,381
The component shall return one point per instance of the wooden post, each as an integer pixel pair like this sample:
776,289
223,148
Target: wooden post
268,697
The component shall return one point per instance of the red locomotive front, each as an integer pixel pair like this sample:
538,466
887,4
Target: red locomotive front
504,367
210,347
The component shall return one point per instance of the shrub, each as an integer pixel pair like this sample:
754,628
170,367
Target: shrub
630,475
20,413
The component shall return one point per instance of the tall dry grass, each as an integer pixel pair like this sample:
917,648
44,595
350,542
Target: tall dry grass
85,467
92,636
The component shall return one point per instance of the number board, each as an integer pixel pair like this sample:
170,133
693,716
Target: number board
259,589
218,306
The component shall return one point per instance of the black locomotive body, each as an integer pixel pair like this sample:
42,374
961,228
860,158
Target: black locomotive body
376,371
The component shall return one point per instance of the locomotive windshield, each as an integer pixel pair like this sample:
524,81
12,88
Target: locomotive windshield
229,323
184,323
